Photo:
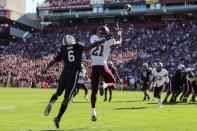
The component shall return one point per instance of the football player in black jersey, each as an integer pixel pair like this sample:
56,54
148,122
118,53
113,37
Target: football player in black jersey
145,80
190,85
115,73
176,84
71,54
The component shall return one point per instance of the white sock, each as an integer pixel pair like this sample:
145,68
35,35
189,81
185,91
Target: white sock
160,102
94,111
104,85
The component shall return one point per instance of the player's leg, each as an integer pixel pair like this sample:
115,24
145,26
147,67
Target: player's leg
174,92
110,94
95,75
178,92
105,94
157,94
167,95
69,90
145,87
108,78
77,90
169,91
59,91
144,90
187,91
194,91
85,88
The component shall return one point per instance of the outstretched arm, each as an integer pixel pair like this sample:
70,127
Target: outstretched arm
94,45
51,63
56,59
119,39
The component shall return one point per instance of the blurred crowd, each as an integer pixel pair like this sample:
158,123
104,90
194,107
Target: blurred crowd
67,2
22,61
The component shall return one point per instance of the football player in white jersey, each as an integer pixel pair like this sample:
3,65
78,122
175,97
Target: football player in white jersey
160,80
81,82
99,56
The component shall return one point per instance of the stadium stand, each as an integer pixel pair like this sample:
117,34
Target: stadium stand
67,3
172,42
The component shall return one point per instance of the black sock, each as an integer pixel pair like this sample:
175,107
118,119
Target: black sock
159,97
61,111
53,98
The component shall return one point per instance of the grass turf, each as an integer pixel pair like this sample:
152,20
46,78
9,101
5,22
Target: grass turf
21,109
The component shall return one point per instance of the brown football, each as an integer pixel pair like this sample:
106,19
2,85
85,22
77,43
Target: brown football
127,7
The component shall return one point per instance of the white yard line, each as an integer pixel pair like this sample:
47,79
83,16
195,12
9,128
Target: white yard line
7,107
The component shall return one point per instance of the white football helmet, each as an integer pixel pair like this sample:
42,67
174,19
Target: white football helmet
68,39
145,65
181,66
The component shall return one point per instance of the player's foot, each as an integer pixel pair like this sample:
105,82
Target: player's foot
110,99
93,114
148,98
160,103
48,109
56,122
192,100
86,98
94,118
171,101
165,102
184,100
105,99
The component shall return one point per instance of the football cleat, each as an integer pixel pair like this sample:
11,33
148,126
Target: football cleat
105,99
56,122
48,109
110,99
94,118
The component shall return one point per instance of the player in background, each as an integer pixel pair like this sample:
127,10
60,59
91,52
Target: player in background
176,84
115,73
99,56
145,80
151,79
160,80
71,54
83,77
190,85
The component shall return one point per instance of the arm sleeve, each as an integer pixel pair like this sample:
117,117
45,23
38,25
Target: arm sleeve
166,77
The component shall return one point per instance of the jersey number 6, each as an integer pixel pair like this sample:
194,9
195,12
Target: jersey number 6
71,56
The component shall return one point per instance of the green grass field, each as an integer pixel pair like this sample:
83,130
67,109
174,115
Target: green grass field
22,110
